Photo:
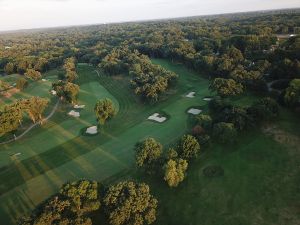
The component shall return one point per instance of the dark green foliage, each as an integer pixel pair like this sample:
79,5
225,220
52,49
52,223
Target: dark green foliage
237,116
292,93
264,109
224,132
204,121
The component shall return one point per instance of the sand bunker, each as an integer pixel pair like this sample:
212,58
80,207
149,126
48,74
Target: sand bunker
79,106
207,99
74,114
194,111
191,95
53,92
157,118
44,80
92,130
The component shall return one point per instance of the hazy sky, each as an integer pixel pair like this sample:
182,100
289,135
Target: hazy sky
20,14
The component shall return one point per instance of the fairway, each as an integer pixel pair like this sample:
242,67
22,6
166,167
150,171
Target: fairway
57,152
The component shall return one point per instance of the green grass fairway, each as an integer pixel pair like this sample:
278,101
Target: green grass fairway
57,152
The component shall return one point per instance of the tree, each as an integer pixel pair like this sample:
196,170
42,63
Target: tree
71,206
35,106
171,154
245,77
9,68
292,93
175,171
130,203
82,196
41,64
70,69
188,147
224,132
147,152
104,110
66,91
33,74
226,87
10,118
204,121
4,86
264,109
22,83
236,115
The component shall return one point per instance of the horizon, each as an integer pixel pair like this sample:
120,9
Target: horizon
68,13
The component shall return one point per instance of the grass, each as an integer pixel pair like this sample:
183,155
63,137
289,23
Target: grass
259,185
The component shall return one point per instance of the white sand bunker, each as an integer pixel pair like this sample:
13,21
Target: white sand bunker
74,114
79,106
44,80
207,99
157,118
194,111
53,92
92,130
191,95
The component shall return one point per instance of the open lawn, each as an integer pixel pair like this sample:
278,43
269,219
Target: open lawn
259,185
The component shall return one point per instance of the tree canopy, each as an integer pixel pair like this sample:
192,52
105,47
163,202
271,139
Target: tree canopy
104,110
130,203
147,152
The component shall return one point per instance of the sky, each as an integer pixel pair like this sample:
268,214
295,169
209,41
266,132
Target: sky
25,14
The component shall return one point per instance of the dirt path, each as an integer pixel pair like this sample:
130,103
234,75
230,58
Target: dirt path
33,125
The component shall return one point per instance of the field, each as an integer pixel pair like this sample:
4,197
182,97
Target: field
260,181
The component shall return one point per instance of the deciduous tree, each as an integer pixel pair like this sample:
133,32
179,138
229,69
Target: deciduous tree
175,171
130,203
104,110
147,152
188,147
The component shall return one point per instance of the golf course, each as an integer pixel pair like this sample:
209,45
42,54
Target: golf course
57,151
34,167
175,121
